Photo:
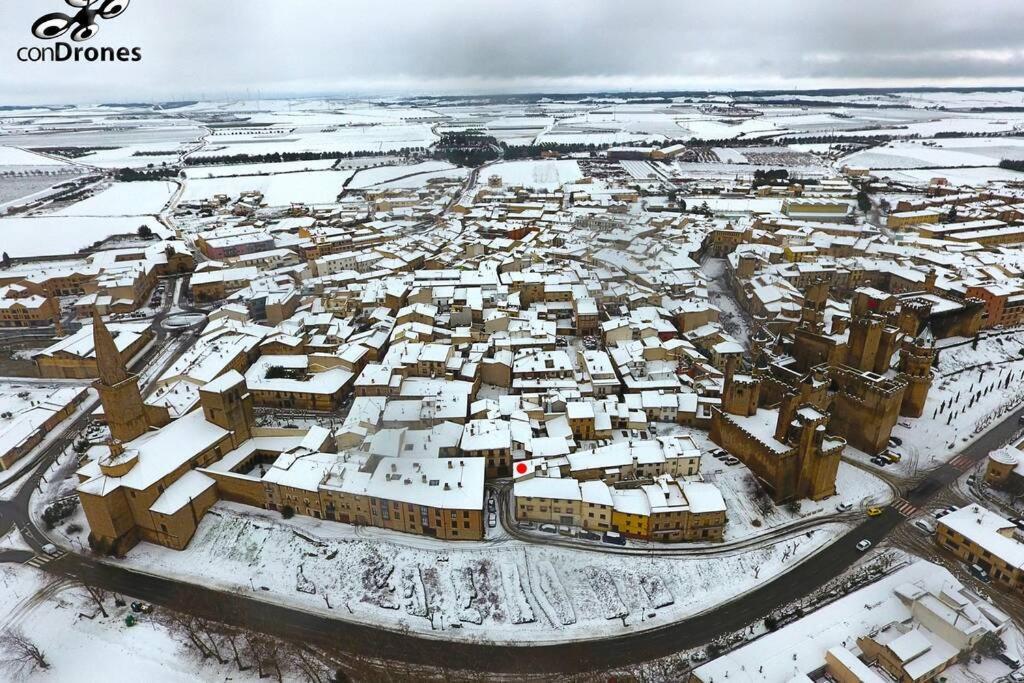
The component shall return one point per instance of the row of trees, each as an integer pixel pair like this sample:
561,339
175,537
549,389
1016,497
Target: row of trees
278,157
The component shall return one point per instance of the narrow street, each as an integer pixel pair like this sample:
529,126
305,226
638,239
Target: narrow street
733,317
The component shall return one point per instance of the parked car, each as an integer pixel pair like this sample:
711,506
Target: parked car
895,440
614,538
978,573
844,507
1019,524
526,526
924,526
548,528
863,545
589,535
878,461
971,479
731,461
564,530
874,511
940,513
492,520
490,504
1008,660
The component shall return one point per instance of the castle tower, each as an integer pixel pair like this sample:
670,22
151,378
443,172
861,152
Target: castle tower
119,390
916,359
817,468
740,393
887,342
865,337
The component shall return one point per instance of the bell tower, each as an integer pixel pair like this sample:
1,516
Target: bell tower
119,390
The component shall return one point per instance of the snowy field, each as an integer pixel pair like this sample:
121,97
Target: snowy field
373,177
950,152
12,156
124,199
193,172
547,175
39,236
500,591
51,614
312,187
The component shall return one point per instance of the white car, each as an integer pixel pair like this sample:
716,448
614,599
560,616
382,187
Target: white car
863,545
50,549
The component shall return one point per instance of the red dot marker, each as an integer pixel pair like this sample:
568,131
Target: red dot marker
521,468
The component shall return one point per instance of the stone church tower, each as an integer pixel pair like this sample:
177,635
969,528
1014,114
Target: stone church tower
119,390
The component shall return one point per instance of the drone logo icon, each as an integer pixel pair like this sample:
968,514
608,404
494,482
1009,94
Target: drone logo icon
83,24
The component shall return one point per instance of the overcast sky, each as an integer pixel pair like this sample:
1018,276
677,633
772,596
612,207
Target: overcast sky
217,49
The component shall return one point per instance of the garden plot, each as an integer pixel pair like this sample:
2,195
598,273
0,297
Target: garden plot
505,591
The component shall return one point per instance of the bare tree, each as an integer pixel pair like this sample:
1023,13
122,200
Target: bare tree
98,595
21,655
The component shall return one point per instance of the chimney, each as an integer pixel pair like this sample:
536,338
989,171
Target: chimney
786,411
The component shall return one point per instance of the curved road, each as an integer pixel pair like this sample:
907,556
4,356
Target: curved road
341,637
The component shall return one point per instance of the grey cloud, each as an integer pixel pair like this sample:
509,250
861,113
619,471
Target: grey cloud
226,48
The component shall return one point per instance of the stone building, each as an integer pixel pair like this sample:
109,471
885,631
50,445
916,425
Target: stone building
787,448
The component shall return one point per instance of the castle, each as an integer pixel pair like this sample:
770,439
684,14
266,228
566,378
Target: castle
787,448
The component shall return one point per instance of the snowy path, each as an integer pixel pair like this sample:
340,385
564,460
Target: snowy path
733,318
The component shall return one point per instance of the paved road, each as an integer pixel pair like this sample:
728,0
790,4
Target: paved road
341,637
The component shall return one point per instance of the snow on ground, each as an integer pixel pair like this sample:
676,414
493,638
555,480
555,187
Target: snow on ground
956,176
36,392
420,180
953,415
944,152
504,592
258,169
42,235
732,318
282,189
748,516
360,137
730,205
99,649
124,199
372,177
12,156
548,174
13,541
